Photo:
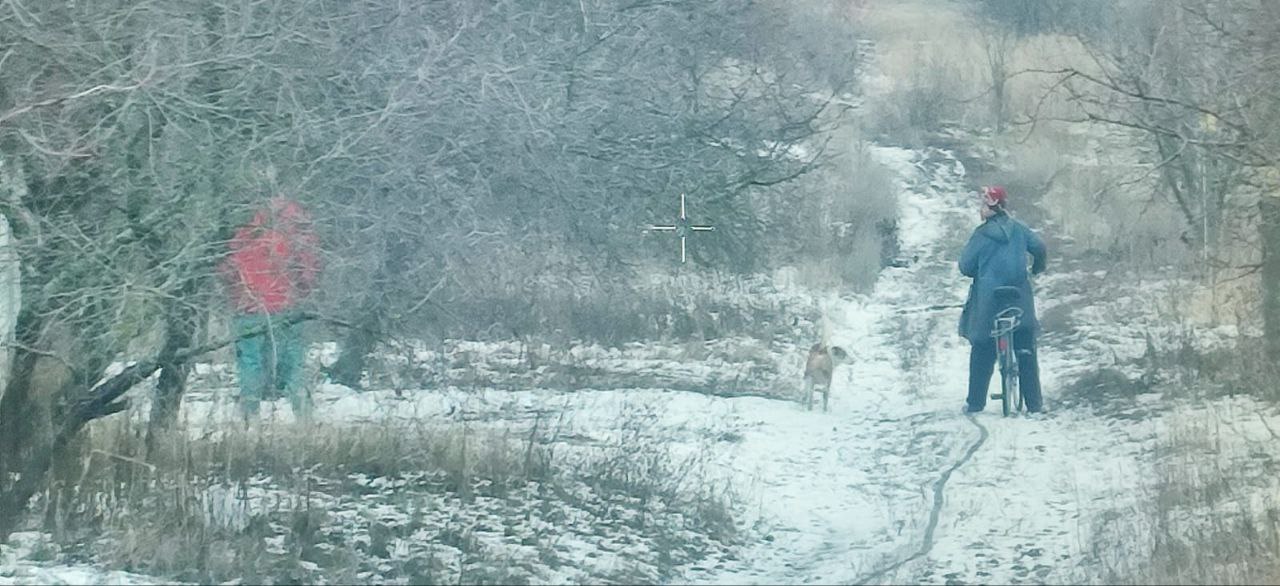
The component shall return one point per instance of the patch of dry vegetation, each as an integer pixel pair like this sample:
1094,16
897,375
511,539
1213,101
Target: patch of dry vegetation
395,502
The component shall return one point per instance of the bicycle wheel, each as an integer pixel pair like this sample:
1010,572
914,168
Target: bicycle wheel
1013,389
1010,399
1020,401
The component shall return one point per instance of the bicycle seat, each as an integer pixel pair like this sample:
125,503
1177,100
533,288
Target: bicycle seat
1007,296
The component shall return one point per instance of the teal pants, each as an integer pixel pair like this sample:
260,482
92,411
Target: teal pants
269,357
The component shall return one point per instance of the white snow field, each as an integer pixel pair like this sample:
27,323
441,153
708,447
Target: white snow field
893,485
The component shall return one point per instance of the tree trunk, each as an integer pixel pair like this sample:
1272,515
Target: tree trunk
18,417
30,415
10,300
30,477
999,45
84,406
12,189
172,381
1270,232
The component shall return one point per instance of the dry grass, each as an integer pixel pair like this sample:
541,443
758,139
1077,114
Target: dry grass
938,45
849,230
1211,515
1032,95
282,451
1231,299
936,64
1208,511
1093,183
926,93
289,503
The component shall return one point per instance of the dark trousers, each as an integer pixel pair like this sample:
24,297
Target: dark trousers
270,360
982,361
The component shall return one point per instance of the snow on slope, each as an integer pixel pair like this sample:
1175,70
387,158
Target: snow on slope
893,485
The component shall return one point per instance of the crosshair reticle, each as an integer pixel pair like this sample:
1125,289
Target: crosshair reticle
682,229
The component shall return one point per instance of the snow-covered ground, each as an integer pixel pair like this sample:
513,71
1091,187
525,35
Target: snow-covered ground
31,558
893,485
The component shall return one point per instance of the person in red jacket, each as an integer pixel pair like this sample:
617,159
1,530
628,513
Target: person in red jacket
273,264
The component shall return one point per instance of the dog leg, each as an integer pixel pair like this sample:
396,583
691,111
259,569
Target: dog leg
826,395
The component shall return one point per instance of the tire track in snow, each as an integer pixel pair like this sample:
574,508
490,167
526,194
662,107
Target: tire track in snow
824,517
939,499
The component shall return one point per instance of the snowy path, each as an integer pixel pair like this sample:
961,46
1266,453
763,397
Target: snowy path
935,511
895,484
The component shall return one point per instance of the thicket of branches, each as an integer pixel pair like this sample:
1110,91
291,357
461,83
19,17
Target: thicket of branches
1196,78
1193,80
470,164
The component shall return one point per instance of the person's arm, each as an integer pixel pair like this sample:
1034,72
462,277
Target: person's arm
1035,245
969,257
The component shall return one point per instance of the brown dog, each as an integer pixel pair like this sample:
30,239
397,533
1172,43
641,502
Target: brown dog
822,361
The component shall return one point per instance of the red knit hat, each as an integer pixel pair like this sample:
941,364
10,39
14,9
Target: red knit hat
994,196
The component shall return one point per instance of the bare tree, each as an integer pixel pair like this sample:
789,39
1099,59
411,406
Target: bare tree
463,159
999,45
1194,78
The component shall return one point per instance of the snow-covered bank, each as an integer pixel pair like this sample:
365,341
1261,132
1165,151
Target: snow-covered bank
894,484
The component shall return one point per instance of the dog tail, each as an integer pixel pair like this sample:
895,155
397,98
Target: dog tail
824,328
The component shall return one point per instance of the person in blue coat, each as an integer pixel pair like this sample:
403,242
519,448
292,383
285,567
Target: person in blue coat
996,256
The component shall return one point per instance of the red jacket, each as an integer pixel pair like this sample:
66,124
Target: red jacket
273,262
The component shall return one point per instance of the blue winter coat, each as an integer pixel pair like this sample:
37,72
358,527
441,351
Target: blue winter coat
996,256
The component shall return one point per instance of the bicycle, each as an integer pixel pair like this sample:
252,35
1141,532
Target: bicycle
1006,322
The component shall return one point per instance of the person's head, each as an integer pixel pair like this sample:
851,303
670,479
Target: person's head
279,210
994,199
284,209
